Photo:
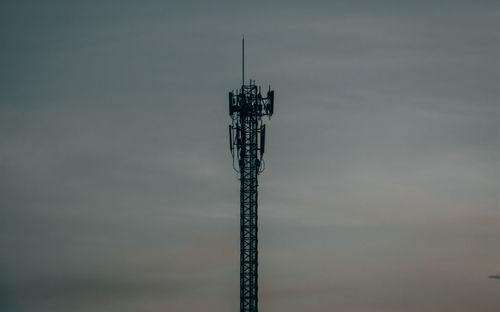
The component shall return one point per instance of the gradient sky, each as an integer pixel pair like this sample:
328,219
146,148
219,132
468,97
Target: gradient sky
382,185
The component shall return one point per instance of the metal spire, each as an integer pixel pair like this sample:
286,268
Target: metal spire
242,59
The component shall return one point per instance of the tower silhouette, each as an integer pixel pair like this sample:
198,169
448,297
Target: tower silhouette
247,136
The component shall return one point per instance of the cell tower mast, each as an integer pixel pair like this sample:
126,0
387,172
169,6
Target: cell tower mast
247,136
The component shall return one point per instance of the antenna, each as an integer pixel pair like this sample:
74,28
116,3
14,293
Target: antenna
242,59
247,137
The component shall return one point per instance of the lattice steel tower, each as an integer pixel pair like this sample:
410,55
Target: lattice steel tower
247,135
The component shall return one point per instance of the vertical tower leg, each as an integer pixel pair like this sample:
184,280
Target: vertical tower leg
248,214
246,142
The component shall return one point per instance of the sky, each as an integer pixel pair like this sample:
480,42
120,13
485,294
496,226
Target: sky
382,183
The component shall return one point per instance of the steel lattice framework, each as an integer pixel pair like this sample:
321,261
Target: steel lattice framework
247,140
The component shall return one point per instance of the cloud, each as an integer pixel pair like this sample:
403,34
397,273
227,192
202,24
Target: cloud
381,187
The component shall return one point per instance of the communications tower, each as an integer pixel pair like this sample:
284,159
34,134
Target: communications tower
247,136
